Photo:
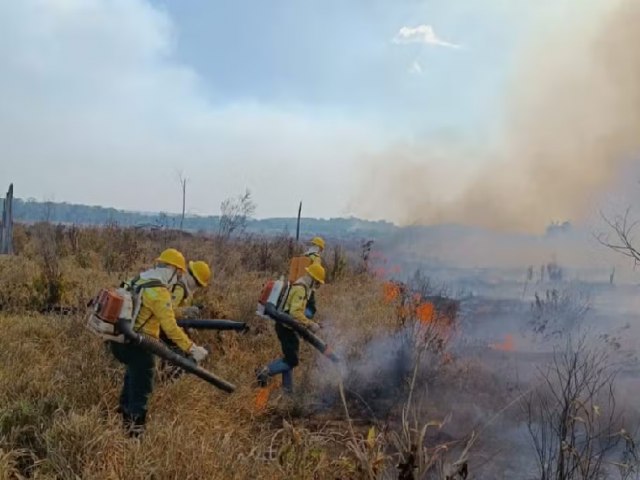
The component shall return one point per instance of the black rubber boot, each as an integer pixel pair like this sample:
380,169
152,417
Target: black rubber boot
139,422
262,377
134,425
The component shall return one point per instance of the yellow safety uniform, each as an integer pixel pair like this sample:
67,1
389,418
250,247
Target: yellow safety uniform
180,300
156,312
297,302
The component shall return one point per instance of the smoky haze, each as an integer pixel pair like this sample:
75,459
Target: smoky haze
571,123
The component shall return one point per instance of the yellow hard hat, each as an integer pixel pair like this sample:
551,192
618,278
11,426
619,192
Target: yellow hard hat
316,272
173,257
201,272
318,241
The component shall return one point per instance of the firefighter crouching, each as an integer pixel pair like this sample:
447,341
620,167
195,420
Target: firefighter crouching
156,314
295,306
198,275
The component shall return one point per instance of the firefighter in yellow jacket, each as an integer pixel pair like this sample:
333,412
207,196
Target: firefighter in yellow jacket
314,254
155,315
295,305
198,275
315,250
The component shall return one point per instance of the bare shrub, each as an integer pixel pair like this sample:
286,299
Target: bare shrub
266,254
338,264
622,229
121,250
365,253
49,283
235,213
558,312
572,417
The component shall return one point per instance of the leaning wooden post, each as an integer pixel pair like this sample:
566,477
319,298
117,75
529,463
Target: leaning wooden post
298,223
6,234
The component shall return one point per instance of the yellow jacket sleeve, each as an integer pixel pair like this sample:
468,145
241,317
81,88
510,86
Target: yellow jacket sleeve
162,308
296,303
180,301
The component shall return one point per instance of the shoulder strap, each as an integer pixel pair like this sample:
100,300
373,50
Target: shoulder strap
303,285
148,284
128,284
180,284
137,289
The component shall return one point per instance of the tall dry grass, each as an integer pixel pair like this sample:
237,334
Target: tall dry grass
59,385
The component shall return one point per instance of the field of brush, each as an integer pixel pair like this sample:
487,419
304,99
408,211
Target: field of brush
412,398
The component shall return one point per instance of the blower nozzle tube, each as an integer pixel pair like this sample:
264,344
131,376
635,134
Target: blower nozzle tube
165,353
212,324
306,335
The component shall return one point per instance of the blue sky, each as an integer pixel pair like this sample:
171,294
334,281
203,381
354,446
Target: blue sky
337,56
104,101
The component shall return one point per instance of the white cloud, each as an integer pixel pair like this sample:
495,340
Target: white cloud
415,68
96,108
421,34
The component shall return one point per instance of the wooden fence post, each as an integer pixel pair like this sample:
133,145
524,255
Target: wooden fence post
298,223
6,233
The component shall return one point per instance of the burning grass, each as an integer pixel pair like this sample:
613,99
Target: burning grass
402,404
59,385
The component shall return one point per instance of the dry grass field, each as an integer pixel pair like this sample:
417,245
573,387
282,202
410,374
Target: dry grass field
59,385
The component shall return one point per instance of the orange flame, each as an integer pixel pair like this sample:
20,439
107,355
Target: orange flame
390,292
508,345
425,312
262,397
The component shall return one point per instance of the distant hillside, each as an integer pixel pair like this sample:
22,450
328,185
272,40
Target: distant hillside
31,211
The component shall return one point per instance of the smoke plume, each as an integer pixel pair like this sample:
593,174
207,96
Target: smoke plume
572,122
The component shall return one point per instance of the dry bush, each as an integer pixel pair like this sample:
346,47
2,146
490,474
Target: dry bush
122,249
337,264
572,417
558,312
17,275
49,249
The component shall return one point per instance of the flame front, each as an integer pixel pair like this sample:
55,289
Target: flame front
508,345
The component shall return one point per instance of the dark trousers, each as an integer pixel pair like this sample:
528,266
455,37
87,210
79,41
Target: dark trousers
290,344
138,382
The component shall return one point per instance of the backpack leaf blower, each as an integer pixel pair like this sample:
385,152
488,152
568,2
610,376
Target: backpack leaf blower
157,348
281,317
213,325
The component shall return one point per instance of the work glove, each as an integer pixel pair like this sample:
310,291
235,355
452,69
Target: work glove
313,326
198,353
190,313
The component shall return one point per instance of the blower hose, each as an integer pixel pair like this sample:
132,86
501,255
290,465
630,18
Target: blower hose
213,325
157,348
306,335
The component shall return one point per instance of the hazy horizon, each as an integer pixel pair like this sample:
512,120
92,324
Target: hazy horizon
411,112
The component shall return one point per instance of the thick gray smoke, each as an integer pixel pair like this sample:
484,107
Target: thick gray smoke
572,124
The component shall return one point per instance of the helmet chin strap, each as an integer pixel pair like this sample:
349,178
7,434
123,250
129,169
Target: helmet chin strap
173,279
